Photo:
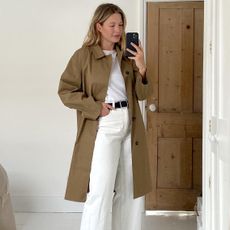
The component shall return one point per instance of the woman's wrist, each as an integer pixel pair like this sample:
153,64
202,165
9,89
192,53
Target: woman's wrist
142,71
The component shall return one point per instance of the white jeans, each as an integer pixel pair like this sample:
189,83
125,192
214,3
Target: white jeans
110,204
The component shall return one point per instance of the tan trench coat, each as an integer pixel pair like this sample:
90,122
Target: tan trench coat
83,87
7,220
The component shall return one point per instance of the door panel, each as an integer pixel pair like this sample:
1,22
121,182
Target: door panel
174,168
174,60
198,60
197,163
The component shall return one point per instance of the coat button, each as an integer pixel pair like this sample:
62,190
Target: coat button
127,72
133,118
136,143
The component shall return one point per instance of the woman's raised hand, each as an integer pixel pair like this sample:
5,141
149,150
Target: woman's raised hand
138,57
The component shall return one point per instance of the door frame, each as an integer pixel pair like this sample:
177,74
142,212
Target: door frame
210,29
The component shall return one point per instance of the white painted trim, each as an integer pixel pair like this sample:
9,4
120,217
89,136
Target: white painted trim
142,38
169,213
207,62
44,204
213,199
173,1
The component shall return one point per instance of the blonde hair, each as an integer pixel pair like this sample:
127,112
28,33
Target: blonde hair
102,13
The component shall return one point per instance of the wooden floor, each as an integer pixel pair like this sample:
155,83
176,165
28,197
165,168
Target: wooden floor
71,221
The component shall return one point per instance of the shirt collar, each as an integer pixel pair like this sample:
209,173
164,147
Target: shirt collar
98,52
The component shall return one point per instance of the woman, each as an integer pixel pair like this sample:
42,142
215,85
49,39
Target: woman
109,168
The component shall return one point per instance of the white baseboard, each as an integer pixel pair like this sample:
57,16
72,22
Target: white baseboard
44,204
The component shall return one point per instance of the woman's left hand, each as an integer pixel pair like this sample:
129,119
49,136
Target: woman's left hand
138,57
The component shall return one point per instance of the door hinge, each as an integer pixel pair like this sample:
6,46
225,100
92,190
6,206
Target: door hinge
210,47
209,182
212,126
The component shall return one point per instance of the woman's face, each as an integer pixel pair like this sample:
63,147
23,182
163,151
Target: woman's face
111,30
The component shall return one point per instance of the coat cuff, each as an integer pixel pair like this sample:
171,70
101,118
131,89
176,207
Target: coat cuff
93,111
141,88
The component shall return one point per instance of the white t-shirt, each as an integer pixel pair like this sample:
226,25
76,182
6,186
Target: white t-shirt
116,88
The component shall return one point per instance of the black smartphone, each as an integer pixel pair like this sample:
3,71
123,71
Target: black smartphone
134,38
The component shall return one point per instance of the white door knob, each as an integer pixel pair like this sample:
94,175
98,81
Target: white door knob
152,107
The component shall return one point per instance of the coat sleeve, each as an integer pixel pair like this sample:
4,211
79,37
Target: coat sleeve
71,91
142,88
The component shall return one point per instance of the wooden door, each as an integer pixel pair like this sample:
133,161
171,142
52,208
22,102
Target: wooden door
174,109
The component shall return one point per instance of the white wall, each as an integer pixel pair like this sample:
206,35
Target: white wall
216,159
37,132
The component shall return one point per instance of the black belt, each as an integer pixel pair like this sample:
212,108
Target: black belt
119,104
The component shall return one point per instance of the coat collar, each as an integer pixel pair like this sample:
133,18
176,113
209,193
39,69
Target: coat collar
97,51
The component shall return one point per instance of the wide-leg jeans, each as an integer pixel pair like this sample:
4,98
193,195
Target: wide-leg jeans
110,204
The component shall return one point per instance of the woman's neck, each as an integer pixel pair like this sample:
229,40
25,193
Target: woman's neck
107,45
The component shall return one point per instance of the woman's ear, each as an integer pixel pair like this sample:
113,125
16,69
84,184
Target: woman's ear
98,26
